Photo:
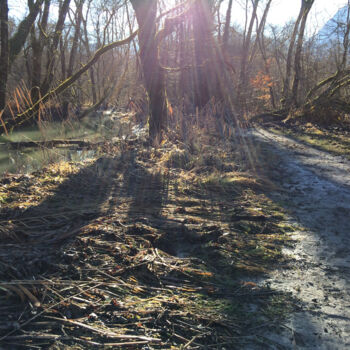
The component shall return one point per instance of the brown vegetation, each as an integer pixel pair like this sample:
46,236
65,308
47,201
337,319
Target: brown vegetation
188,55
159,238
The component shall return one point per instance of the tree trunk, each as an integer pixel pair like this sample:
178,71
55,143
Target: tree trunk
203,51
45,86
87,48
243,78
18,40
286,84
227,27
37,53
10,48
260,41
259,30
346,39
74,49
307,4
4,54
63,59
146,14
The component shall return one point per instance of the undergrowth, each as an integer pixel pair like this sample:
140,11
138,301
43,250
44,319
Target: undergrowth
334,140
153,248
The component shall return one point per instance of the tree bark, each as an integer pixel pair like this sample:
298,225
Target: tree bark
203,51
146,15
286,85
49,75
18,40
74,49
4,54
307,4
37,52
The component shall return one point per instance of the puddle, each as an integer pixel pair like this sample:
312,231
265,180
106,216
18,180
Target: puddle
31,159
98,127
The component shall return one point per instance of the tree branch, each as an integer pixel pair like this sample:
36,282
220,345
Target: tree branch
30,112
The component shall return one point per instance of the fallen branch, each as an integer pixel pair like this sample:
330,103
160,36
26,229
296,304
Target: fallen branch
50,144
30,112
65,143
107,334
2,338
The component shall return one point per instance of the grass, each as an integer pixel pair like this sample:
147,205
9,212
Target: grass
332,141
166,243
278,307
23,191
228,182
5,197
177,158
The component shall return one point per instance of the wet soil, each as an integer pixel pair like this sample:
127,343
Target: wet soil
315,189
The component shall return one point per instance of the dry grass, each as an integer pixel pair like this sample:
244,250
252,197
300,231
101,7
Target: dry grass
331,140
147,248
19,102
139,254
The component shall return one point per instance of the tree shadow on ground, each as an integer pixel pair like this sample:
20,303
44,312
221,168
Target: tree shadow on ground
121,232
316,196
317,199
36,234
147,189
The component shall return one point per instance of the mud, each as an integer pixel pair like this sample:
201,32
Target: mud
316,192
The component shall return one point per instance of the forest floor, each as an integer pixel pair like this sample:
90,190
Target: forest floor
238,244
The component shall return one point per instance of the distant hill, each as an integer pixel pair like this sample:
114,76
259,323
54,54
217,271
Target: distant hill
333,31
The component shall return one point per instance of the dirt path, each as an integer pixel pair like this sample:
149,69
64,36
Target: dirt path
316,192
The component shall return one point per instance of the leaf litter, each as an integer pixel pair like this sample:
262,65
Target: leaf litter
143,248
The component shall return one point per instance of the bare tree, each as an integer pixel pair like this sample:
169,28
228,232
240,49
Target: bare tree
11,47
247,39
346,39
38,42
32,110
73,52
225,37
290,97
146,14
53,46
305,9
4,54
85,41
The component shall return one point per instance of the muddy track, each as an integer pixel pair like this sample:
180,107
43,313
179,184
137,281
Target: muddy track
316,193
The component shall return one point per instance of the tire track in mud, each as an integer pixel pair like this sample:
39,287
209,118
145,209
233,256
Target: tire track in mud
316,193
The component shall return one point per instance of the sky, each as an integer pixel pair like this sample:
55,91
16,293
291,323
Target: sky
281,11
323,10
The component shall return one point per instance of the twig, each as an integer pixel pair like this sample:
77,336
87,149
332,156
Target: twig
49,308
105,333
192,340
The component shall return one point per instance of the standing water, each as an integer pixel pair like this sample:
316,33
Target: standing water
95,128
